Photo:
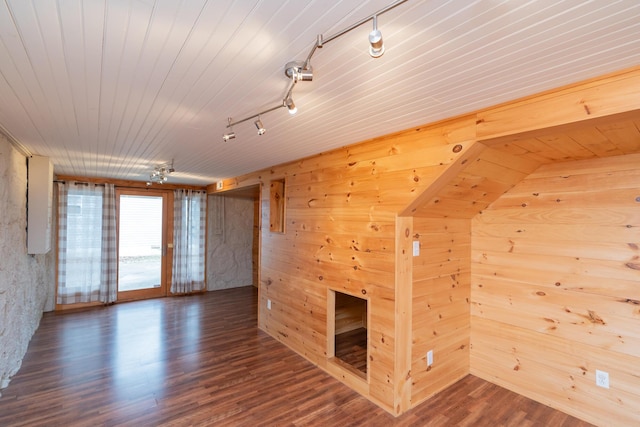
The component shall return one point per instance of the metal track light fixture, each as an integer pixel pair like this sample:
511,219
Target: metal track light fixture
160,174
375,40
260,126
298,71
229,135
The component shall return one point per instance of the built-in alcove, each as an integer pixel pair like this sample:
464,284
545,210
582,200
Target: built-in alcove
348,336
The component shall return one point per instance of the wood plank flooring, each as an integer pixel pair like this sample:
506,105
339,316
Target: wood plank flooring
199,361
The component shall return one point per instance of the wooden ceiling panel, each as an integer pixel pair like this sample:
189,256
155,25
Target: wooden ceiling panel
113,88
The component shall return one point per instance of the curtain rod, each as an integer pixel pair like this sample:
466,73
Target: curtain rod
59,181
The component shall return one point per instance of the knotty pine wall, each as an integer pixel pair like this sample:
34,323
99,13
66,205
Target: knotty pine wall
440,306
340,234
556,288
352,215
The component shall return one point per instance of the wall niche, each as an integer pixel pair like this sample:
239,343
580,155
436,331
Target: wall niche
348,335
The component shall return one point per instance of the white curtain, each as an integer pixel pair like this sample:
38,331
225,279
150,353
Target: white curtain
189,225
87,254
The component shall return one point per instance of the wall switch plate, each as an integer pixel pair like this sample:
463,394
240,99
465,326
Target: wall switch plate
219,185
268,304
429,357
416,247
602,379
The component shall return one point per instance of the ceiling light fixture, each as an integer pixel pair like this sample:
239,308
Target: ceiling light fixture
291,106
260,126
375,39
229,135
160,174
302,71
299,71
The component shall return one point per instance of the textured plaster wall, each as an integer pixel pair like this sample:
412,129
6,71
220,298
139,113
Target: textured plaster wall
26,281
229,244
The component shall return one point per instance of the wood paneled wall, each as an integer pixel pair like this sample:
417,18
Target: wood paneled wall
340,234
441,278
556,288
352,215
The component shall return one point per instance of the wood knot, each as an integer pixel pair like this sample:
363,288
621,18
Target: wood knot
633,265
594,318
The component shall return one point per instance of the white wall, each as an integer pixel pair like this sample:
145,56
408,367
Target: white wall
229,244
26,281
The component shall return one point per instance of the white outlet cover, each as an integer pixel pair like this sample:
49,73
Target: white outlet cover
268,304
602,379
429,357
416,247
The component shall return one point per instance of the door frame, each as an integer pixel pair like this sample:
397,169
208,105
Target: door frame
167,248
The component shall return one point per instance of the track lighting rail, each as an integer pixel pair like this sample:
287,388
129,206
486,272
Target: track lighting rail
297,71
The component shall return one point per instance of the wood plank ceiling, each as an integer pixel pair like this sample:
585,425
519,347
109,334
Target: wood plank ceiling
112,88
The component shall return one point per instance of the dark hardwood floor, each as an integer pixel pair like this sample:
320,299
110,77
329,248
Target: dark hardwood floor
200,360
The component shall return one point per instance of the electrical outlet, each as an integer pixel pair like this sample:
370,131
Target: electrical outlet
268,304
429,357
602,379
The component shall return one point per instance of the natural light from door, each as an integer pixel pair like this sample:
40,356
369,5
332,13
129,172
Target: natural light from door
140,243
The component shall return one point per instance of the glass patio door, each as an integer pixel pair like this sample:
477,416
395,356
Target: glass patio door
141,244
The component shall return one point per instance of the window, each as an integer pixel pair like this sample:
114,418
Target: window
276,206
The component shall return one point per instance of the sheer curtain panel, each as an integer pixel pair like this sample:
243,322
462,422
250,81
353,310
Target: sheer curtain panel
87,254
189,224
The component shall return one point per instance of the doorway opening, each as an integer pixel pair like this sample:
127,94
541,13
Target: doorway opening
233,239
142,225
348,332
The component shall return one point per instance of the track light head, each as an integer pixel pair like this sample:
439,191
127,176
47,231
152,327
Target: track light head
230,135
291,106
298,72
260,127
375,39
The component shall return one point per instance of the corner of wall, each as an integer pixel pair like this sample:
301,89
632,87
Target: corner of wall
25,280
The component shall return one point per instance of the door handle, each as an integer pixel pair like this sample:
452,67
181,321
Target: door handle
164,248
